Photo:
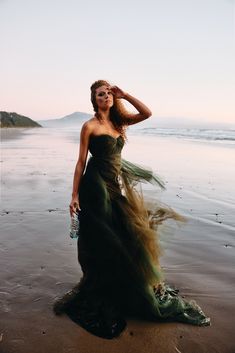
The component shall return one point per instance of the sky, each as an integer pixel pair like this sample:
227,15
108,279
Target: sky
176,56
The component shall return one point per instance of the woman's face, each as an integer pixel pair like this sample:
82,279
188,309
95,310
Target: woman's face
104,97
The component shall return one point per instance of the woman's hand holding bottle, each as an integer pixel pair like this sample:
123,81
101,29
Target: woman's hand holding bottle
74,205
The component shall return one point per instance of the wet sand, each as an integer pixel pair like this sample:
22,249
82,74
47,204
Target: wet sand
39,260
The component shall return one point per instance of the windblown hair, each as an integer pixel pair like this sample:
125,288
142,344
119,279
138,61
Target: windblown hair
118,113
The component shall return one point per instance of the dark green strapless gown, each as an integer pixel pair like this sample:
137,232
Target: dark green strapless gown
118,249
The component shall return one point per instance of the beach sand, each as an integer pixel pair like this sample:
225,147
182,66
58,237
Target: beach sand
39,261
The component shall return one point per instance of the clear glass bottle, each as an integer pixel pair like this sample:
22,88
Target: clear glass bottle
74,225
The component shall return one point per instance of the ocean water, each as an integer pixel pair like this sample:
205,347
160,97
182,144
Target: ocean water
197,134
209,135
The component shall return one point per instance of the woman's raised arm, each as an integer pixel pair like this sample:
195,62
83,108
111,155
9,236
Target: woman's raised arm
144,111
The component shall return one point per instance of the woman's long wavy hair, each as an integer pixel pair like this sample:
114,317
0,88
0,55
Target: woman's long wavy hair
118,113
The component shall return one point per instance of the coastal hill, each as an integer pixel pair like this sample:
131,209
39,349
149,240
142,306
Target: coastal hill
70,120
16,120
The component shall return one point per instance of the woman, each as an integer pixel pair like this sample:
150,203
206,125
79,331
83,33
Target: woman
118,248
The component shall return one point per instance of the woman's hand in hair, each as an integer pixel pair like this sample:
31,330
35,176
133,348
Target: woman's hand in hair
117,92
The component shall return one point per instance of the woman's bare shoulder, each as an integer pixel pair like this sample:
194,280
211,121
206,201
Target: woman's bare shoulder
89,126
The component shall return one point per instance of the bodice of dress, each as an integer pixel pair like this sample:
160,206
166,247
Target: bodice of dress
105,145
106,159
106,154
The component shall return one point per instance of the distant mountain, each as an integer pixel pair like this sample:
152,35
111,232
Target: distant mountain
73,119
16,120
